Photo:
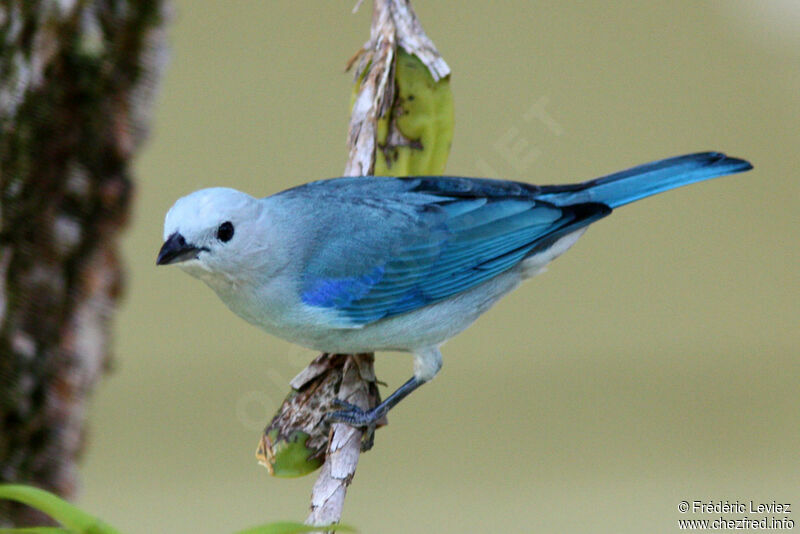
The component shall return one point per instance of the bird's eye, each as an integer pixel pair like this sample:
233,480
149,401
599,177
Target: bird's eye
225,231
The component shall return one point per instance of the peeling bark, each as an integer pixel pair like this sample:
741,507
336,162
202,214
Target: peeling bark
77,80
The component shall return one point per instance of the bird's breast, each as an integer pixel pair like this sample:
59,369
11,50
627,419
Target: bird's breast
279,312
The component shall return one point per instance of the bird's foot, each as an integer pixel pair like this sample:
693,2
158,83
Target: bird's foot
353,415
368,419
356,417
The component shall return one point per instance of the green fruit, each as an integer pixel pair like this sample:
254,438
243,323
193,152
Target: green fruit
415,136
289,456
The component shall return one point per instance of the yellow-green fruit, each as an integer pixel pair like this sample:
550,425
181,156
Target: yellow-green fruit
415,137
287,457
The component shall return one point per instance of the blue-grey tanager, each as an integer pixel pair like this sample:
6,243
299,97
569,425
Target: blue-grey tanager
368,264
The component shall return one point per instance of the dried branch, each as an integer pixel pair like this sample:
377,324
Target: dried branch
345,445
394,24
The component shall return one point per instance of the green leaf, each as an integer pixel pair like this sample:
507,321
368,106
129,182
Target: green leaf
36,530
289,527
73,518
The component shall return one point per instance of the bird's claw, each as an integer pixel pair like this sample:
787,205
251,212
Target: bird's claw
352,415
356,417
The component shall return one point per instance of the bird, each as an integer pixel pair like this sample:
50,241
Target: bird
366,264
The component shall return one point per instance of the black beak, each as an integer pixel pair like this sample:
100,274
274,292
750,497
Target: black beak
175,250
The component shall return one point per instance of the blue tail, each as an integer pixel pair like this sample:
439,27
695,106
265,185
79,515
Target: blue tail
639,182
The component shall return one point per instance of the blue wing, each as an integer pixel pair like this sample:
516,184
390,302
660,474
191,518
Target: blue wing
386,246
403,243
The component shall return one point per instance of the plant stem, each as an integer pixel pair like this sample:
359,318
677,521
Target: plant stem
394,24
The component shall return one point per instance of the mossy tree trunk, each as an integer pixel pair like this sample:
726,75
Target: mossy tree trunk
77,79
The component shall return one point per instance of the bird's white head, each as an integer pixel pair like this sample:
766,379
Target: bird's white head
213,234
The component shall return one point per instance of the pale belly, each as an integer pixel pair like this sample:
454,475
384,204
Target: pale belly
426,327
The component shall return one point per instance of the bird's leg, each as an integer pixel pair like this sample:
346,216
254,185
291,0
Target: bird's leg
355,416
426,364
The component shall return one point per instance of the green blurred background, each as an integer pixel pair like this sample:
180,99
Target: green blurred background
654,363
